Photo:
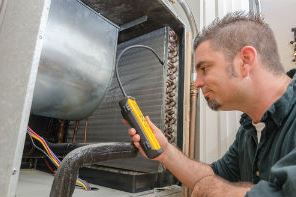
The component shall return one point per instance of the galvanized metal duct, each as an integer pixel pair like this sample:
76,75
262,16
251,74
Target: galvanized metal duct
77,61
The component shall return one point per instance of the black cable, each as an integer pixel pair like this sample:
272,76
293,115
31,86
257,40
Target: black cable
119,57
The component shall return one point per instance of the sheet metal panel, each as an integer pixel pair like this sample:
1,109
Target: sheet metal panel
77,61
22,24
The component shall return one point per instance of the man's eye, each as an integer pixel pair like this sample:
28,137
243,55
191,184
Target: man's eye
203,68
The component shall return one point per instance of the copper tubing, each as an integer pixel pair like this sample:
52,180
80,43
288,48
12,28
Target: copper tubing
170,124
61,131
192,133
190,65
192,103
187,100
75,131
85,130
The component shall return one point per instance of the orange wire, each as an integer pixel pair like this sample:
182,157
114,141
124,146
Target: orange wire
47,149
50,153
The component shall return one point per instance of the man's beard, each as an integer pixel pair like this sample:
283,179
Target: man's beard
213,104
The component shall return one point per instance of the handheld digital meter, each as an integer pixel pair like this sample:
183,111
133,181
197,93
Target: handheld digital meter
132,113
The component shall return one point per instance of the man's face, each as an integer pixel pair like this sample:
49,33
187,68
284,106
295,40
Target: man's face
216,76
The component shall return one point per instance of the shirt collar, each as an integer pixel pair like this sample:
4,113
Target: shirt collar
279,109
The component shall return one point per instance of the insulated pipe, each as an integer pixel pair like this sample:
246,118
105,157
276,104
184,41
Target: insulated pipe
65,178
193,89
60,149
255,7
189,17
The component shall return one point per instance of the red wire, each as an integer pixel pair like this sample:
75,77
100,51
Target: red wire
49,166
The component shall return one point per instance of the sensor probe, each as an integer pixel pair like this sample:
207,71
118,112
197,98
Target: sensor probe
132,113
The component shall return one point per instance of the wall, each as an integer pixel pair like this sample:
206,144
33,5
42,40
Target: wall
281,17
217,129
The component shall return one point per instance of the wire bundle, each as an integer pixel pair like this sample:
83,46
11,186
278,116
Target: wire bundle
51,156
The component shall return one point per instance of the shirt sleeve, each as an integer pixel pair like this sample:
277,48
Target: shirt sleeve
284,184
228,166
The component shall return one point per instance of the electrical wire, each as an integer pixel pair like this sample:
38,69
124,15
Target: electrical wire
51,156
39,148
119,57
49,166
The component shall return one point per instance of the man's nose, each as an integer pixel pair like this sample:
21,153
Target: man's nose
199,82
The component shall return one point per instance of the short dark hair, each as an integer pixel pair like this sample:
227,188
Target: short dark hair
239,29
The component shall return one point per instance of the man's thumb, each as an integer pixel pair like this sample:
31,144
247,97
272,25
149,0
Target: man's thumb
152,125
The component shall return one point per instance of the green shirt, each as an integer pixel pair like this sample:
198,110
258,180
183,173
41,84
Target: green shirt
271,164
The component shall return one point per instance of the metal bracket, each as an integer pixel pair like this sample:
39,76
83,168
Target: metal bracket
133,23
293,42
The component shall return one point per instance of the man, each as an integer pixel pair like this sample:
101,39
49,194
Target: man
238,68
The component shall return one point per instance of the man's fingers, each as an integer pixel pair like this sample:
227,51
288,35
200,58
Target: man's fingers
137,144
136,138
123,121
131,132
152,125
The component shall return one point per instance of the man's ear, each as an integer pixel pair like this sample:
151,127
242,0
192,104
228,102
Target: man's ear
248,55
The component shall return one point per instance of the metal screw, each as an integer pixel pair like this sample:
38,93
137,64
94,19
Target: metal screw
13,171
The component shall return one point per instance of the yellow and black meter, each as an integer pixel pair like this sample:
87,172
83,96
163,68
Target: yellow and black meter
132,113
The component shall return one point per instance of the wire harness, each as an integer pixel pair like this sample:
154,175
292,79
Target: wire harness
51,156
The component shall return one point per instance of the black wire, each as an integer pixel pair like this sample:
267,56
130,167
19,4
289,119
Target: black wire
119,57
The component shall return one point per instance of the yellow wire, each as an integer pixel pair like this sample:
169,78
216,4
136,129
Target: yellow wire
40,140
56,163
78,182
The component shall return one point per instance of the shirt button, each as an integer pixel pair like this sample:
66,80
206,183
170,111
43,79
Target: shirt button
257,173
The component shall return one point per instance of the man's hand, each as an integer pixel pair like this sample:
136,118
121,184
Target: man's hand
214,186
163,142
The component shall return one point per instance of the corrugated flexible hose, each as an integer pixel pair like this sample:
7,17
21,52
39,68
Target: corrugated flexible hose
65,178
